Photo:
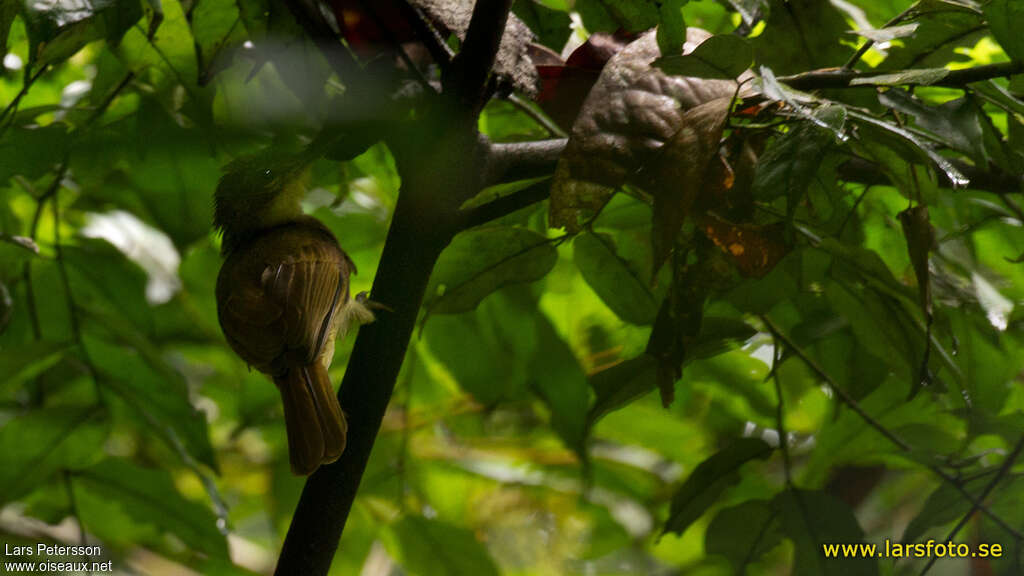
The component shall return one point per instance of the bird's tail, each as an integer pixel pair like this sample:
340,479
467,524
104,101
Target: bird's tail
315,423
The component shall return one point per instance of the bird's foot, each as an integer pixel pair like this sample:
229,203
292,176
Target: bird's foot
364,299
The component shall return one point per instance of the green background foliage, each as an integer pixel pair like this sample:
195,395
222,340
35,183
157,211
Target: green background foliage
525,435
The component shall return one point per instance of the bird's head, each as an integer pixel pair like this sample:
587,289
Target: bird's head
258,192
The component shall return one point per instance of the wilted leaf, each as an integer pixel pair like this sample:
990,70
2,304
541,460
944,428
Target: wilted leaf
631,113
724,56
618,282
709,479
150,498
684,168
480,261
435,548
754,249
41,442
743,533
813,519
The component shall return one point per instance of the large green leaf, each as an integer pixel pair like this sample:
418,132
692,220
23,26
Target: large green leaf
743,533
709,479
560,383
41,442
148,496
1005,18
725,56
25,362
58,29
620,283
812,519
480,261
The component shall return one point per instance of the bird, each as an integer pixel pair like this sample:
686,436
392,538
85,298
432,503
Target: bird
283,296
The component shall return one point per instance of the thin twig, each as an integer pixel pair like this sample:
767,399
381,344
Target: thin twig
1000,474
869,42
821,79
780,412
541,119
13,106
466,81
885,432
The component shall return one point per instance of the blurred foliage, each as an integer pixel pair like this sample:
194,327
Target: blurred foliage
843,369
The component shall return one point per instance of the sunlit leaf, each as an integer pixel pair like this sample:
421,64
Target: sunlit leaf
435,548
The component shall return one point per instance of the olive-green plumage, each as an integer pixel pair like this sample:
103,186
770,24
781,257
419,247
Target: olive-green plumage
283,297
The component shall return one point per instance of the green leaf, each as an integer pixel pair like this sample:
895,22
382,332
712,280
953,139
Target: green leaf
58,29
488,350
105,278
149,497
8,10
39,443
743,533
156,392
433,548
791,163
31,152
27,361
944,505
561,384
480,261
942,28
888,33
612,15
709,479
621,384
802,35
813,519
725,56
1005,18
672,27
217,29
618,283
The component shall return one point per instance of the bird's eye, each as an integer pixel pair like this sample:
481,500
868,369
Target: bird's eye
267,173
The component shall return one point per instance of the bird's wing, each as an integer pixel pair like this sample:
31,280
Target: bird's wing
278,300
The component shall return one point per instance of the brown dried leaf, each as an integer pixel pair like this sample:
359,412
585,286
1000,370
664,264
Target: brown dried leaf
631,113
688,162
754,249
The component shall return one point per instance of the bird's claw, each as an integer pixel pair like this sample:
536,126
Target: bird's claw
364,299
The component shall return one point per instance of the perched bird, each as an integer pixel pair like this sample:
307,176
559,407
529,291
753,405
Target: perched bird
283,297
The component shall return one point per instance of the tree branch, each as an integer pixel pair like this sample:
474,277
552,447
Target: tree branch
467,78
522,160
822,79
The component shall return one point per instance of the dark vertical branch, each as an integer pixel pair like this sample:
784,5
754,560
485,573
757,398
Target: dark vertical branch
467,78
